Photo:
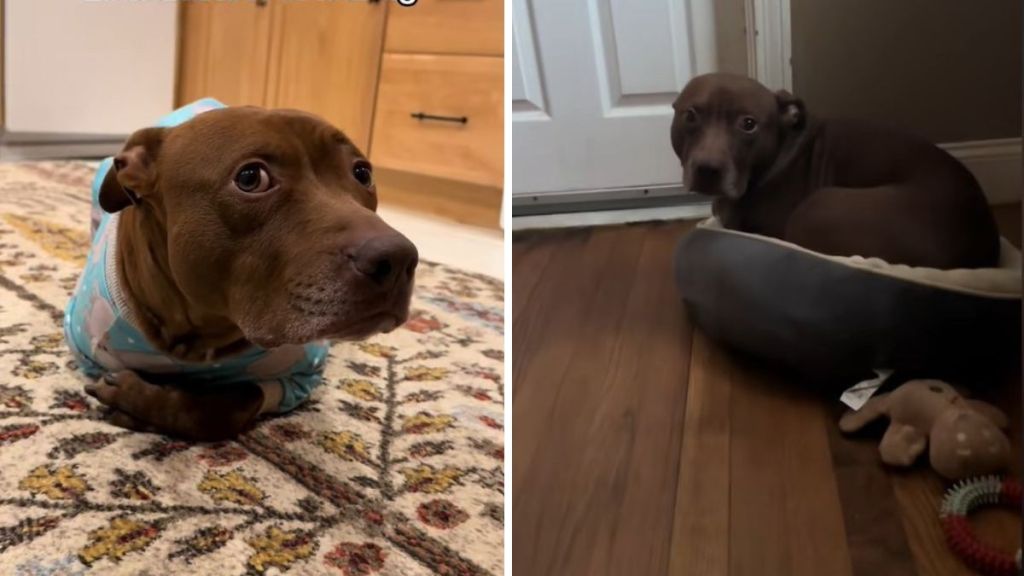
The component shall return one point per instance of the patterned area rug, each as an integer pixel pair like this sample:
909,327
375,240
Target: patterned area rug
394,467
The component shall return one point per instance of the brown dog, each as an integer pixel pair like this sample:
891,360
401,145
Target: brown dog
837,187
243,227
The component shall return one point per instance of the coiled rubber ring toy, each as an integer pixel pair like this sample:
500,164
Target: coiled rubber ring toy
962,499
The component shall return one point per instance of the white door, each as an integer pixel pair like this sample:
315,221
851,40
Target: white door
87,67
592,88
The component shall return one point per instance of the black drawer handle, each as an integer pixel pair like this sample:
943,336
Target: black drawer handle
456,119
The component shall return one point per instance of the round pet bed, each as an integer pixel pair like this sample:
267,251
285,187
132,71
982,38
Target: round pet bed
840,318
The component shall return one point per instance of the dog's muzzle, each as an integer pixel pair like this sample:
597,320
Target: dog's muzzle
711,179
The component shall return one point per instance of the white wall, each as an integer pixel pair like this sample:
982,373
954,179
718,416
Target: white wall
88,66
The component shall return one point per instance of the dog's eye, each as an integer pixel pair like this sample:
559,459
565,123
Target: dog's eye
748,124
363,174
252,178
690,116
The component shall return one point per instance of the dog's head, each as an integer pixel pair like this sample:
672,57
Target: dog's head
270,220
729,129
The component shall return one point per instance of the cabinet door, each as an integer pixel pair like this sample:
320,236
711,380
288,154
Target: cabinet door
225,48
325,61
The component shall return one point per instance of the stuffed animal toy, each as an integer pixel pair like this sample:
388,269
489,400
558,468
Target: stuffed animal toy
963,436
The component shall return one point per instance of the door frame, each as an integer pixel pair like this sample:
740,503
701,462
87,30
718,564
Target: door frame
769,43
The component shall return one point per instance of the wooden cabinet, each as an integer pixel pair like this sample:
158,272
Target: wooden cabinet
440,108
441,116
321,57
393,78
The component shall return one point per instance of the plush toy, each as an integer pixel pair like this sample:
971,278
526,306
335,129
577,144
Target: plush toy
964,436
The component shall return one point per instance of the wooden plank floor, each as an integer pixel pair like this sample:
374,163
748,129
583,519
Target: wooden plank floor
640,447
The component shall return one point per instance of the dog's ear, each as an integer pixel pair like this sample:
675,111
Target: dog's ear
133,173
791,110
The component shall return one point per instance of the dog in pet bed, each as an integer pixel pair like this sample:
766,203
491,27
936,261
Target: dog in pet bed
838,187
229,245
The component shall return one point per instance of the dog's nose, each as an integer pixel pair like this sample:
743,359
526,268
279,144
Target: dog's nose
385,259
707,172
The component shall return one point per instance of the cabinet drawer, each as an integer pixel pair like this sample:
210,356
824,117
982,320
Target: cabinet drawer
417,100
468,27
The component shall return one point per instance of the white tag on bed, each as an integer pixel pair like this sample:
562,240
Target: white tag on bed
857,395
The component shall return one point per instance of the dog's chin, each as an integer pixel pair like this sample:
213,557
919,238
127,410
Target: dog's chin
380,323
731,193
342,327
726,189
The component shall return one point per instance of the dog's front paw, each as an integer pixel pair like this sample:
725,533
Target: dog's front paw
128,422
204,415
114,391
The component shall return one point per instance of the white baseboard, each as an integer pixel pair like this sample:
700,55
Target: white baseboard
58,151
696,211
997,164
19,146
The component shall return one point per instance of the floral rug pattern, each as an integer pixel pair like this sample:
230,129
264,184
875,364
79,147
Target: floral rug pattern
394,467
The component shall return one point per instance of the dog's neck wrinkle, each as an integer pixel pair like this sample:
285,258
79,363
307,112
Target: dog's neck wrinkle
154,298
790,149
773,194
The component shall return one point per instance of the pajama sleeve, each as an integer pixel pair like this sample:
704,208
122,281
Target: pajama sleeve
302,379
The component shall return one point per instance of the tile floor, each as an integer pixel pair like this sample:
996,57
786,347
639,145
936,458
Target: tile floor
467,247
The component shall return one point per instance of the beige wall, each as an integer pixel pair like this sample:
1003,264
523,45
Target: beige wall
949,70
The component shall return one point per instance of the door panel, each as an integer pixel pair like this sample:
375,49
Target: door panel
224,53
526,90
326,58
642,54
592,87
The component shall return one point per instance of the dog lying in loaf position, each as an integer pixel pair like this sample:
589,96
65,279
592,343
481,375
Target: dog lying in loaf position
230,244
